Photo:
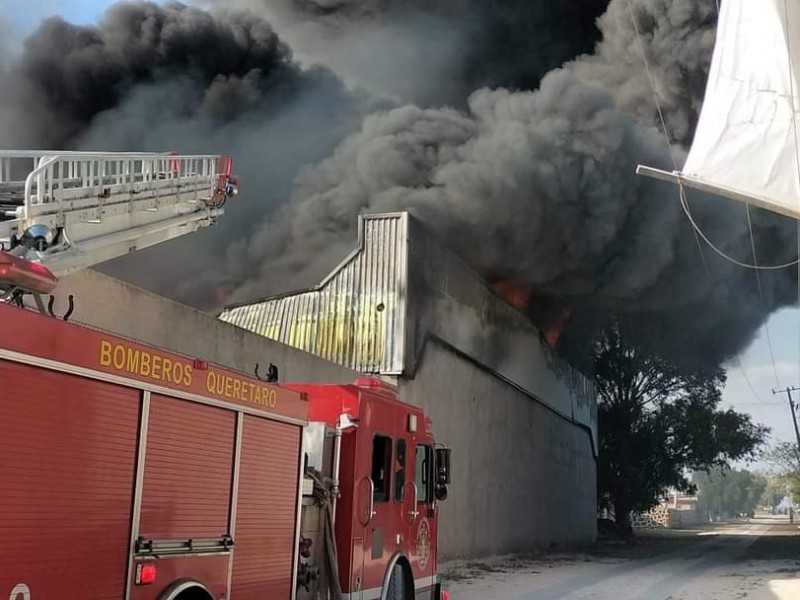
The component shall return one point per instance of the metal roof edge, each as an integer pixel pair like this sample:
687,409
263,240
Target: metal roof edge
402,215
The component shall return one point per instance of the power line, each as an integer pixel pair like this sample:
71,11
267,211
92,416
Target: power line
747,381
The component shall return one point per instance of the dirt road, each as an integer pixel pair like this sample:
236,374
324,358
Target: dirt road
757,560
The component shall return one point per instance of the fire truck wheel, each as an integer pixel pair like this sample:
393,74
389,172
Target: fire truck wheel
398,588
186,590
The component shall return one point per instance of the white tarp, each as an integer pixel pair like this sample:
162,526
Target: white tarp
745,141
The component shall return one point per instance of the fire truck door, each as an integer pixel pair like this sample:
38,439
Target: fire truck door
423,514
383,531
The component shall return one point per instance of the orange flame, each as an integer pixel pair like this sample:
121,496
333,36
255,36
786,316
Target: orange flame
553,334
516,294
550,315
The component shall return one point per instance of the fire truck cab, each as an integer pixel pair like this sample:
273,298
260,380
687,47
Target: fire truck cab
131,472
387,477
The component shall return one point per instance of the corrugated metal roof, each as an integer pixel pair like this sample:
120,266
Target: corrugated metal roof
356,316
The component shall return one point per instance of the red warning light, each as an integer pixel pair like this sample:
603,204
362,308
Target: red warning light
28,275
145,574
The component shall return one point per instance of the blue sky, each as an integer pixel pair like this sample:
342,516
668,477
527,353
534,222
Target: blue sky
772,410
757,370
26,14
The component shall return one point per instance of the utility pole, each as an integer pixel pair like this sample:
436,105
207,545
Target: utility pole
788,391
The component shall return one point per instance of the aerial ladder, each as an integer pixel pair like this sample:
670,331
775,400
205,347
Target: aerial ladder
65,211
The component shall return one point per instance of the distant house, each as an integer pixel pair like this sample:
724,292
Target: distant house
673,512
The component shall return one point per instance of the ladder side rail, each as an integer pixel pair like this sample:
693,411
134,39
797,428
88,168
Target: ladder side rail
89,207
167,177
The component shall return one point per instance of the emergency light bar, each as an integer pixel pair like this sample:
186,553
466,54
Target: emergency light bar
29,276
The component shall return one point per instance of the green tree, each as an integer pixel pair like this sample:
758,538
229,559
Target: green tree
657,420
785,458
774,493
727,493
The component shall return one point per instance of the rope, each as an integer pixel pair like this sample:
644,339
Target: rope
701,233
761,295
698,232
665,130
794,128
791,86
640,45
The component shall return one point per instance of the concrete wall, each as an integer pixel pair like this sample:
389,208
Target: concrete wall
451,302
524,477
109,304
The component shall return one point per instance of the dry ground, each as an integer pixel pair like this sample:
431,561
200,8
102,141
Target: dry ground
756,560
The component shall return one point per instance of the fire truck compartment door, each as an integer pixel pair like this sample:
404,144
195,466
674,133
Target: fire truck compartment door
67,463
188,471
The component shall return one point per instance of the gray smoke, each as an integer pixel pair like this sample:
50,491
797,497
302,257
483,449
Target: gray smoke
540,187
435,51
157,78
514,130
677,40
68,74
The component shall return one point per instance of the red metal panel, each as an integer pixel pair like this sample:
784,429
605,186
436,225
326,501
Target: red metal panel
267,510
188,470
67,461
210,570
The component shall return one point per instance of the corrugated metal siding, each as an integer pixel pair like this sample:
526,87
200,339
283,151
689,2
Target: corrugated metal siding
267,510
427,292
68,448
356,317
188,470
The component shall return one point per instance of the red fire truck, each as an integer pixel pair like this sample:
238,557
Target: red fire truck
130,472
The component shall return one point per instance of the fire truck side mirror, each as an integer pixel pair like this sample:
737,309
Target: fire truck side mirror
442,466
440,493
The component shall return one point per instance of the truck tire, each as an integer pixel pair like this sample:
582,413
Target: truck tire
398,588
186,590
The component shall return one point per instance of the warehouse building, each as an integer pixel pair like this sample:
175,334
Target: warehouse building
521,422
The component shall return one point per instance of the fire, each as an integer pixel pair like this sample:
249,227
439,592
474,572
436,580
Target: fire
517,295
553,334
548,313
221,295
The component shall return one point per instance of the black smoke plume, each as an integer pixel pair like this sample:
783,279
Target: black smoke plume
539,187
514,130
68,74
436,51
153,77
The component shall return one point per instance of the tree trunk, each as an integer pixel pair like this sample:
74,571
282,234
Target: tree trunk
623,518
